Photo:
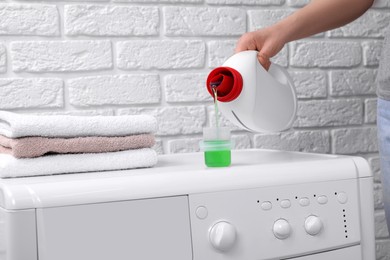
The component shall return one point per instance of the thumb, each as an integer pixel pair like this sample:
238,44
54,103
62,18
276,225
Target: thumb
264,59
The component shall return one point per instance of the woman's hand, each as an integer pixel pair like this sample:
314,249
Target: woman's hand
265,41
317,16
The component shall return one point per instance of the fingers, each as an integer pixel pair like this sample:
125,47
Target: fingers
264,60
240,47
245,43
248,41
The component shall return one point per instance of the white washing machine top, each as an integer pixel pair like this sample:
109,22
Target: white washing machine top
178,174
267,205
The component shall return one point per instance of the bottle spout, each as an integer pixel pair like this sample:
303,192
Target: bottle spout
216,81
226,81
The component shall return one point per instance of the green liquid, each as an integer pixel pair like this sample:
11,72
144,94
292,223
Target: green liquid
217,158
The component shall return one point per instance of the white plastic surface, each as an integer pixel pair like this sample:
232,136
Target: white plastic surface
18,235
304,202
223,236
342,197
177,174
313,225
366,197
201,212
280,233
322,199
110,215
267,102
349,253
139,230
266,205
281,229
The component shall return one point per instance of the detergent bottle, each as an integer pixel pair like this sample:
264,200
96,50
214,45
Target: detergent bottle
251,97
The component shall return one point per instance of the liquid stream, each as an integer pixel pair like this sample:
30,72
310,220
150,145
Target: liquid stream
216,111
217,158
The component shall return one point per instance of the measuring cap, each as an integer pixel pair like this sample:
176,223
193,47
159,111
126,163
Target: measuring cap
221,145
215,139
227,81
216,133
216,145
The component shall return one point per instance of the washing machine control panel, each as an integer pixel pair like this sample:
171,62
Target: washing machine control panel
275,222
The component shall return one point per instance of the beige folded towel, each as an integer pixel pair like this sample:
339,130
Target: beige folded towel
29,147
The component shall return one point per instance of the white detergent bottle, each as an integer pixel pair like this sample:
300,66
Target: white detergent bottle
251,97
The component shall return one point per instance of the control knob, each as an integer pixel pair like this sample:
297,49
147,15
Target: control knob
222,236
313,225
282,229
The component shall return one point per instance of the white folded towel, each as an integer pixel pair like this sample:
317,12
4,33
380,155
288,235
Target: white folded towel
20,125
74,163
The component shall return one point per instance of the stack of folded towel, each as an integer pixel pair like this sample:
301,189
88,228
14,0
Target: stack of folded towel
53,144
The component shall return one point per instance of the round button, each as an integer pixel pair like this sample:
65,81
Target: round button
222,236
322,199
304,202
266,205
282,229
313,225
201,212
342,197
285,204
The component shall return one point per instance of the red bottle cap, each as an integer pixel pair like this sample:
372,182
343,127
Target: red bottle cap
227,81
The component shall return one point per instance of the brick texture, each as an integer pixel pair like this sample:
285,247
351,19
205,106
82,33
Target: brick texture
310,84
303,141
245,2
375,167
30,19
352,82
173,54
114,90
219,51
111,20
371,52
161,1
61,56
174,120
261,18
329,113
372,24
378,196
381,230
370,110
3,58
325,54
31,93
181,88
297,3
343,140
194,21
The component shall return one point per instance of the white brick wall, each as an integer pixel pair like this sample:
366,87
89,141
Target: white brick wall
60,56
100,20
204,21
160,54
3,58
26,19
325,54
152,56
31,92
114,90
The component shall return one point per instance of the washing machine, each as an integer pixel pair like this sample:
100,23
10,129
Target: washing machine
267,205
